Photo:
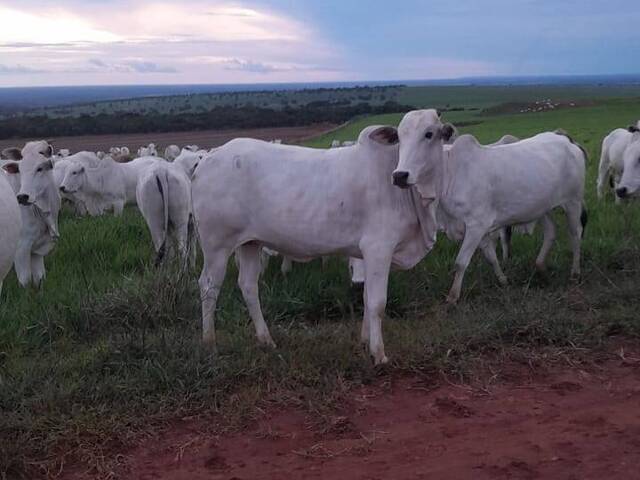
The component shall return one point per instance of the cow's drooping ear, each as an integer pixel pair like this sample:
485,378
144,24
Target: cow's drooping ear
385,135
12,153
447,132
48,151
11,168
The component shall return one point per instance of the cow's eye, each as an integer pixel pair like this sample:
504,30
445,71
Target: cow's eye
428,135
39,169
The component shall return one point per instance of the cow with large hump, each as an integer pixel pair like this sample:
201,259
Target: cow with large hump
10,226
31,176
481,189
104,184
306,203
629,185
611,168
164,199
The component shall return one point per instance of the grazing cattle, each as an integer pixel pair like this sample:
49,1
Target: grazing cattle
348,143
188,160
10,227
148,151
482,189
103,184
164,199
335,144
307,203
63,152
31,176
171,153
611,167
192,148
629,185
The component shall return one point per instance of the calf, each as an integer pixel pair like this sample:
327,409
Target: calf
629,185
611,167
31,176
164,199
10,226
306,203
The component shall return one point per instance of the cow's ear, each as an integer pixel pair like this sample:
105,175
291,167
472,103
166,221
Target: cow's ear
12,153
447,132
11,168
48,152
385,135
633,128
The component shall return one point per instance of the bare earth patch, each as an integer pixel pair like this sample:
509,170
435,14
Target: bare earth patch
564,422
205,139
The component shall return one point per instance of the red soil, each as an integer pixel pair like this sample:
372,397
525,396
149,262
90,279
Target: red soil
564,423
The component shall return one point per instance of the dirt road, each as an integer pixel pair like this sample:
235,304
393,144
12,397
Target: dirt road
567,423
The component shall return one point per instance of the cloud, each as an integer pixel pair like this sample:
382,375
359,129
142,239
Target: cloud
250,66
131,66
18,70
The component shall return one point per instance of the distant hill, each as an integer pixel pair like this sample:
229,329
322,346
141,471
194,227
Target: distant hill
26,98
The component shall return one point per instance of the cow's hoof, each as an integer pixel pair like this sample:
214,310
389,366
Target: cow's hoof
504,281
452,299
379,361
267,341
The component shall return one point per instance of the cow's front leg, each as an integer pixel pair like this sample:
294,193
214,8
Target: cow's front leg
377,263
118,208
211,278
250,266
287,265
472,238
488,246
22,264
38,272
549,236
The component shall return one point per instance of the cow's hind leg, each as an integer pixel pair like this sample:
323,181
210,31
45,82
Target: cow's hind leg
505,242
287,265
472,238
575,218
488,247
549,236
211,278
250,267
377,263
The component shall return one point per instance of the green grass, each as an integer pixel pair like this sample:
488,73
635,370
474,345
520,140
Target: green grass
109,348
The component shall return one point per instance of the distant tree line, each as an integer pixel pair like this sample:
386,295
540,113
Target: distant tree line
218,118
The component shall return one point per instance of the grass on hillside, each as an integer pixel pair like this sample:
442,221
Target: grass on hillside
109,348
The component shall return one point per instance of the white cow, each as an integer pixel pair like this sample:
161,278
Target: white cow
164,198
31,176
104,184
148,151
63,152
611,159
306,203
335,144
10,226
482,189
189,160
629,185
171,153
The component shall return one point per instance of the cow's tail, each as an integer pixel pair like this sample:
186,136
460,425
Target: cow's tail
584,218
162,181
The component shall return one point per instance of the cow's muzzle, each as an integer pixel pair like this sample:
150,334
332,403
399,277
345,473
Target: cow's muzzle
401,179
622,192
23,199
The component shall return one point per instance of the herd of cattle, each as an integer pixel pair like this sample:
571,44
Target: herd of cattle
380,201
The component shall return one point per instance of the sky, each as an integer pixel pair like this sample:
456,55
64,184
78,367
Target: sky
102,42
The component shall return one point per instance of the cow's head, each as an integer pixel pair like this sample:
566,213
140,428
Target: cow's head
629,185
422,136
36,171
189,161
74,179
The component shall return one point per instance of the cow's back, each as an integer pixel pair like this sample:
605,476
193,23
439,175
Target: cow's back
301,201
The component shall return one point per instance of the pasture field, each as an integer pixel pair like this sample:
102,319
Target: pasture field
107,354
